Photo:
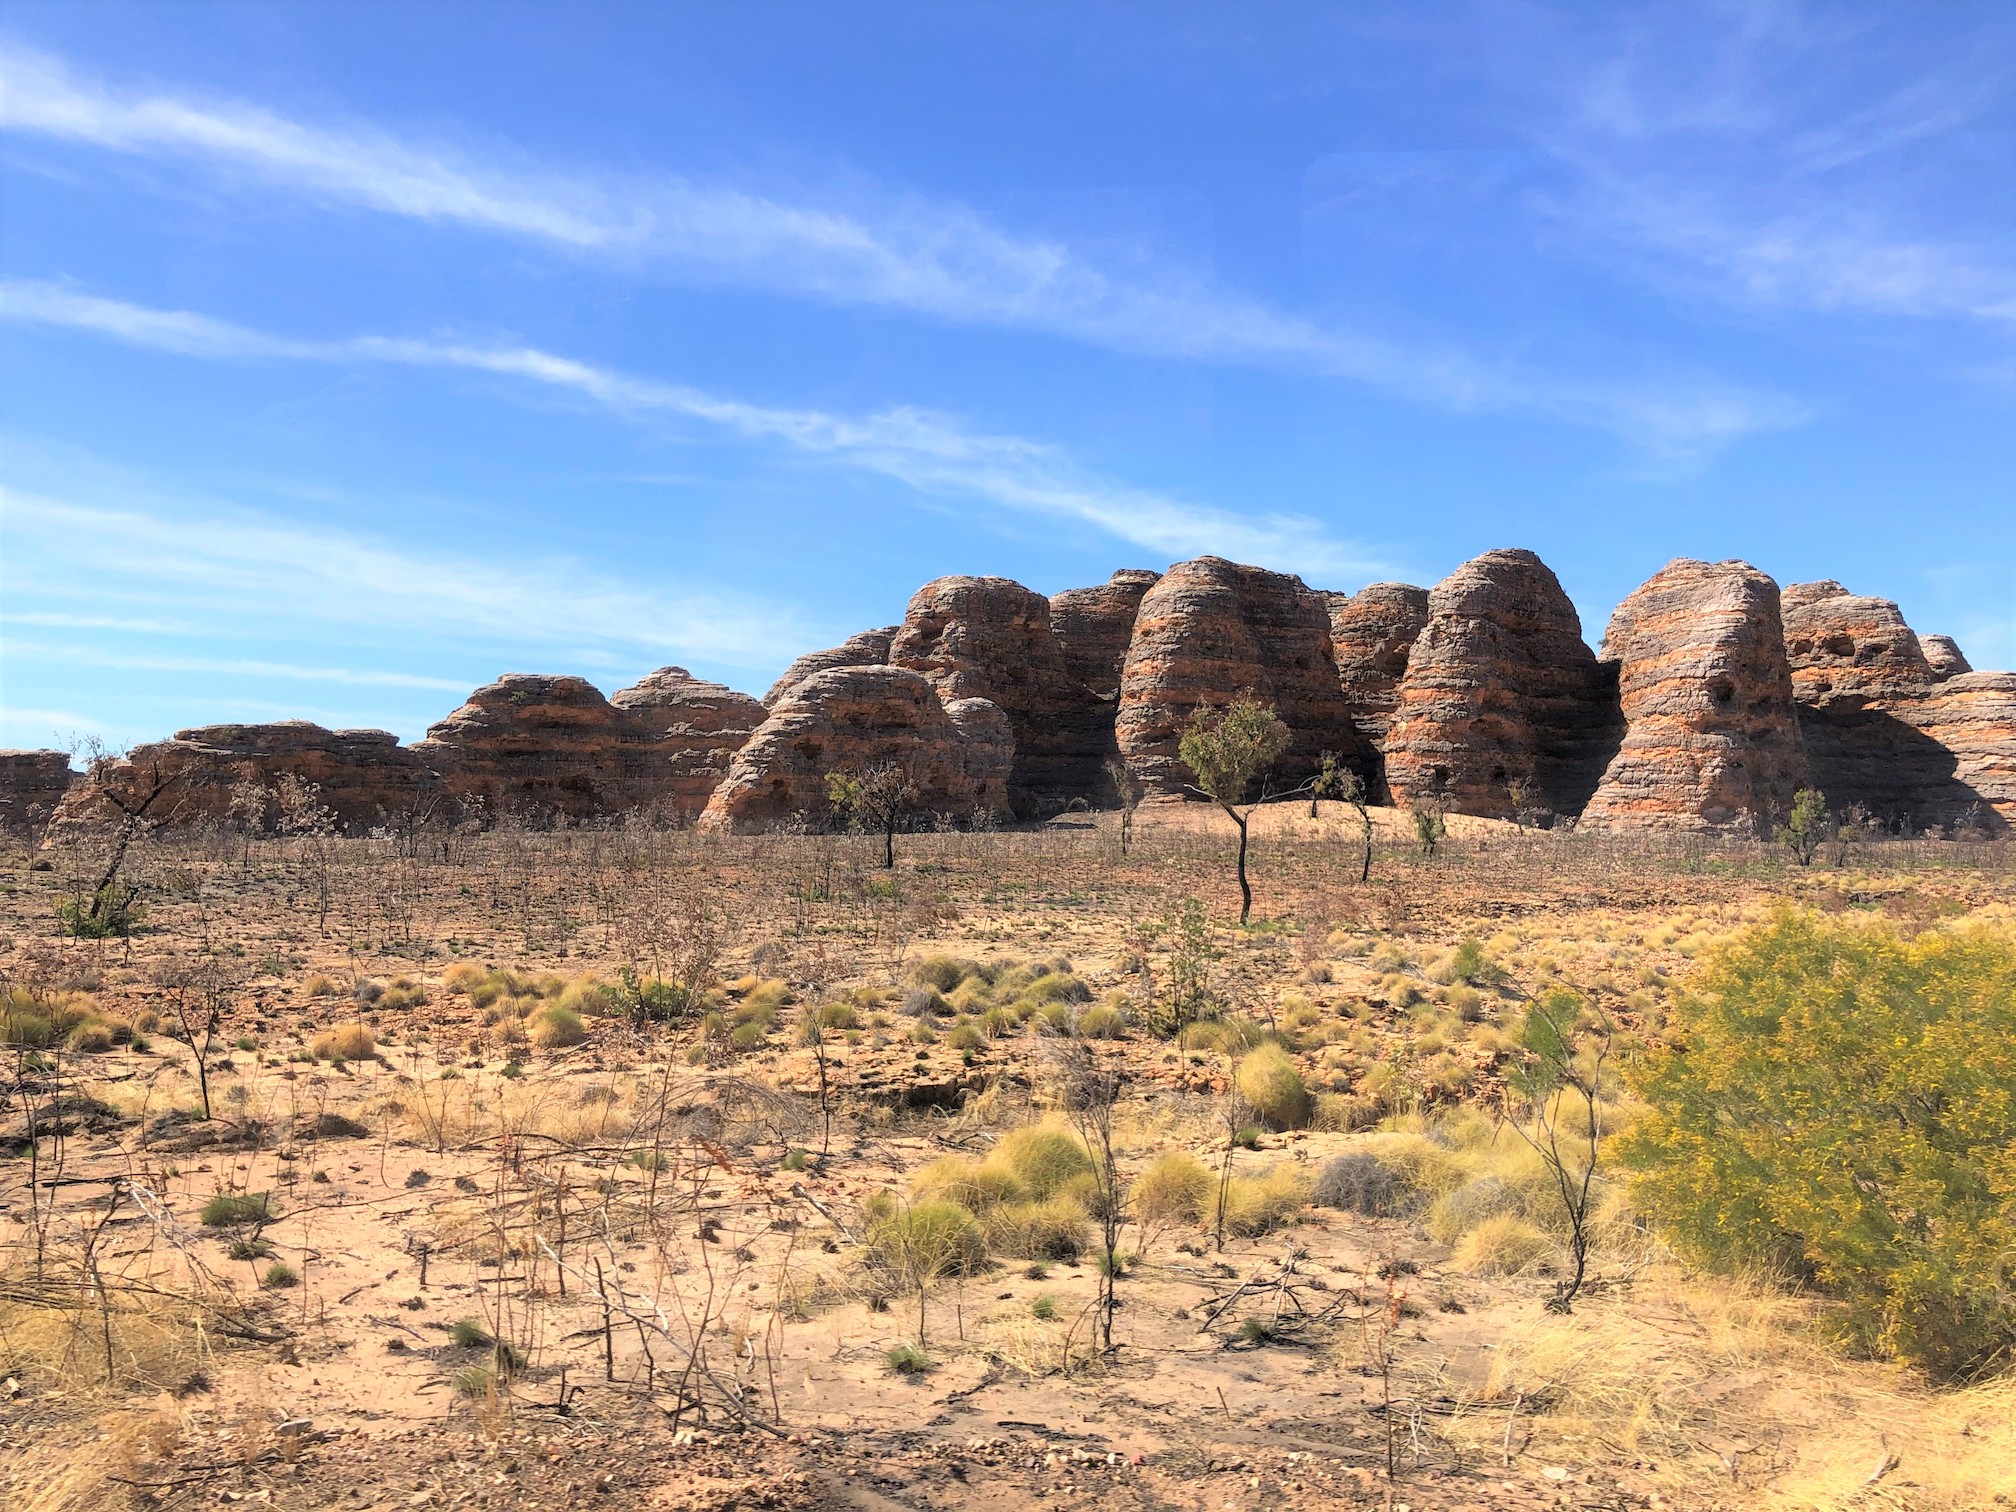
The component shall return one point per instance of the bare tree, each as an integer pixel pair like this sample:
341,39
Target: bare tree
135,790
877,798
1089,1091
1227,750
199,994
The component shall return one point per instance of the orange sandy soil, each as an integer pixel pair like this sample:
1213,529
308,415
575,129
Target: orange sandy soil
509,1188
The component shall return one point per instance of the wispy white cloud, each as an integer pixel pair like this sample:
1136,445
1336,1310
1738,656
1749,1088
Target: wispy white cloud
61,621
237,573
929,452
1780,166
941,259
233,667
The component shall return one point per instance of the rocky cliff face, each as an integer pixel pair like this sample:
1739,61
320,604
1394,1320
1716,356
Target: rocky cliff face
1881,730
1711,733
853,718
545,748
1970,721
1211,630
32,784
1371,633
1500,688
698,727
868,649
231,774
989,637
1094,625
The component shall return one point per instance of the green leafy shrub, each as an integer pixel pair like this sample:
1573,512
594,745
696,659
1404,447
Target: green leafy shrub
1838,1101
1269,1081
108,914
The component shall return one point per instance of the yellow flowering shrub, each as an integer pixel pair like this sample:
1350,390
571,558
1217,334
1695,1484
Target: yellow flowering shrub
1838,1102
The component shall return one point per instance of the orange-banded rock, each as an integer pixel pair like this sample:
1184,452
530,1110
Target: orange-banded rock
698,726
554,749
1371,633
1501,689
854,718
1970,722
1711,737
231,774
1887,730
1094,625
1212,630
990,637
32,784
868,649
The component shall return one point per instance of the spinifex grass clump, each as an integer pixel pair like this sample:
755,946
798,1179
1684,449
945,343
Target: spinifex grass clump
1034,1194
228,1209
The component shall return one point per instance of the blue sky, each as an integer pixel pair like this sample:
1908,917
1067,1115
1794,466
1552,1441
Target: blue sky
353,354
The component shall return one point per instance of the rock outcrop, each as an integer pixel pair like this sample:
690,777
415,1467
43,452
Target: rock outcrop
1887,730
1501,690
548,749
1711,736
854,718
1944,656
868,649
990,637
698,727
1371,633
32,784
232,774
1211,630
1094,625
1970,721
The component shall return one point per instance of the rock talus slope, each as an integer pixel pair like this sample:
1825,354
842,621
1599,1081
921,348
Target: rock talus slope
1711,733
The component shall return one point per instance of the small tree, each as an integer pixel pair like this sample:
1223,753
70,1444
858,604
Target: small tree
1351,790
1330,774
198,995
1089,1092
1806,827
110,909
1431,826
1227,750
877,798
1130,791
1561,1081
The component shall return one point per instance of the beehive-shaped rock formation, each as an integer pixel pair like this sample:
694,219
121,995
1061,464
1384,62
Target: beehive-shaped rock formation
990,637
1094,625
1212,630
1711,733
1501,690
870,648
850,719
